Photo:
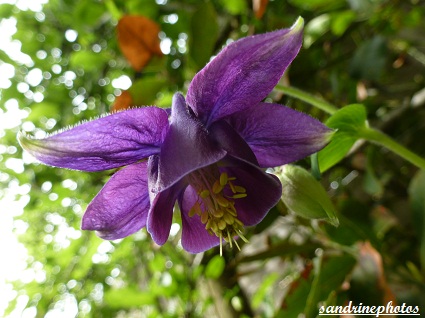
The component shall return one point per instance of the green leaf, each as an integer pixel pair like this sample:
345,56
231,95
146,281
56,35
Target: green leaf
317,4
349,118
328,277
417,201
145,91
87,60
128,297
315,28
234,7
369,59
215,267
6,10
341,21
347,122
263,290
305,196
43,109
336,150
147,8
204,32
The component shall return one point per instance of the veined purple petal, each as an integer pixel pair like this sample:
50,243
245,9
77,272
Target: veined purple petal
263,190
105,143
195,238
160,215
243,74
279,135
186,147
121,207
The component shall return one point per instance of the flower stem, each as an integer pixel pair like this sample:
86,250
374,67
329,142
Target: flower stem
367,133
308,98
382,139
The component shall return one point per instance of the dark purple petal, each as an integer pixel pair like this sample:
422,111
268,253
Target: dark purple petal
263,190
161,214
105,143
279,135
231,141
186,147
121,207
243,74
195,238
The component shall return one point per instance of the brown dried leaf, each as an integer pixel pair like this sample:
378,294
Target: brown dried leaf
370,261
259,7
122,102
138,39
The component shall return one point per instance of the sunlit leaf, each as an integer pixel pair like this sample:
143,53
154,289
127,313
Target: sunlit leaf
341,20
235,6
144,91
318,4
347,122
128,298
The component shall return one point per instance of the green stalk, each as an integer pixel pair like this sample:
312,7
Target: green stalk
308,98
380,138
367,133
113,10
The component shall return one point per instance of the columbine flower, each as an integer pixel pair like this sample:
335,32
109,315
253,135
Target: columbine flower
208,155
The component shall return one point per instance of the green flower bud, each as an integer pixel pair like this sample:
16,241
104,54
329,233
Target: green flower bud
305,196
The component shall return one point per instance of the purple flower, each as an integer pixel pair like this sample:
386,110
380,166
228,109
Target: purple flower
209,155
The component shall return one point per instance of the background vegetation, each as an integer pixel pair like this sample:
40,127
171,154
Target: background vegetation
365,52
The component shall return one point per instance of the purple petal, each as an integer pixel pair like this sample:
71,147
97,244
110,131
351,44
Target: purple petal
279,135
186,147
243,74
195,238
161,214
105,143
263,190
121,207
231,141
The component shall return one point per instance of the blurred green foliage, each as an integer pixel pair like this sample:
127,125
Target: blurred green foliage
362,52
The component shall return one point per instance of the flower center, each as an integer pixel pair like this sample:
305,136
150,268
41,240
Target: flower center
216,204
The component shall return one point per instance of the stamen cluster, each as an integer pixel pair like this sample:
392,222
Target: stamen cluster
216,206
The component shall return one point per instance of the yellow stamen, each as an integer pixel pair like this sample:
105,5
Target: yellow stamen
237,245
242,237
216,204
221,224
229,219
217,187
204,217
232,187
223,179
217,213
204,194
229,239
222,201
240,189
